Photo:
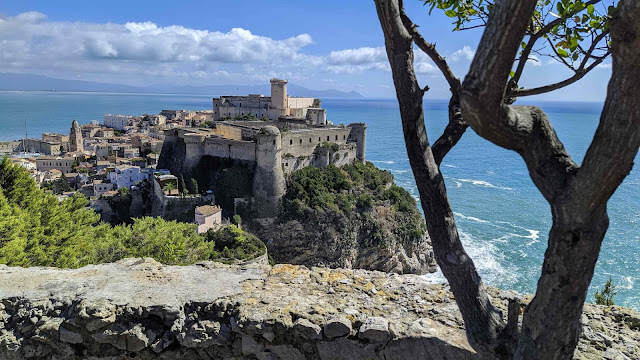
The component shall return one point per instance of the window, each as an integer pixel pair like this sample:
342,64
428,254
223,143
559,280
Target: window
291,142
318,138
309,140
344,137
327,138
274,142
300,141
336,137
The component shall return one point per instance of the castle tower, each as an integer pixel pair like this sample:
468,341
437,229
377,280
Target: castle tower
279,99
268,181
359,135
75,137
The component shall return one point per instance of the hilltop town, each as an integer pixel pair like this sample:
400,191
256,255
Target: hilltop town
170,153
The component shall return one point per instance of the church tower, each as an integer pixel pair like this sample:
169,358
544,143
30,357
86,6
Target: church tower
75,137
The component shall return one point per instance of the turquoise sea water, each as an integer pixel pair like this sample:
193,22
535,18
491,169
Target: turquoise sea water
502,218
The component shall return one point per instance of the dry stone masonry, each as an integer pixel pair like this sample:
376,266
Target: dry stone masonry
138,308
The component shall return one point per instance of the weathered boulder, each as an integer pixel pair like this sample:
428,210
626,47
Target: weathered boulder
138,308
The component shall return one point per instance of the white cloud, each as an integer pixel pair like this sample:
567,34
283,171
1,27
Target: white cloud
466,53
534,61
29,40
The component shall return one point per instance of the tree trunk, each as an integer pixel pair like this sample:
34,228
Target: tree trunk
551,323
483,322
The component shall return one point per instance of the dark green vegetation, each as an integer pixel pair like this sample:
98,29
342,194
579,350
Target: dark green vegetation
353,216
37,230
605,297
352,191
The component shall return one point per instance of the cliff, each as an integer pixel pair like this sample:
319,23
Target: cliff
351,217
141,309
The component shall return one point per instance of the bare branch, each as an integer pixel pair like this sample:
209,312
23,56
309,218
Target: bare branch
430,50
579,74
452,133
615,144
533,38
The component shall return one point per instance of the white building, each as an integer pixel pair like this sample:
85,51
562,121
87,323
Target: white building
208,217
100,188
126,176
119,122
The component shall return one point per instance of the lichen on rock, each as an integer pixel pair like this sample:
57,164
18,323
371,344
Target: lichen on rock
140,308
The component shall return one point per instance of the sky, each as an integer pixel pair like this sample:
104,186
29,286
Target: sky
317,44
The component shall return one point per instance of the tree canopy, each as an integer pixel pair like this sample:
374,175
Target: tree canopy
38,230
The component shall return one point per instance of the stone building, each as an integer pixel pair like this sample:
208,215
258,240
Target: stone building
75,138
274,107
46,163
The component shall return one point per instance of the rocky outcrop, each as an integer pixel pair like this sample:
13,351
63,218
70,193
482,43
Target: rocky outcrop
330,238
138,308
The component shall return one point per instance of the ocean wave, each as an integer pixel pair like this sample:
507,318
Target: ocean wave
382,161
471,218
483,183
451,166
399,171
488,260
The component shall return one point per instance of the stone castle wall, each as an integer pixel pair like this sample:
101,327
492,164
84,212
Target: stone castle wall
138,308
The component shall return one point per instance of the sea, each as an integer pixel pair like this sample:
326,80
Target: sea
502,218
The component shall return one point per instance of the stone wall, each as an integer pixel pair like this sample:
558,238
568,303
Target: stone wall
141,309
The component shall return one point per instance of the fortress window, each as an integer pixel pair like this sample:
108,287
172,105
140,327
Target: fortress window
327,138
318,138
309,139
240,104
336,137
274,142
300,141
291,142
344,137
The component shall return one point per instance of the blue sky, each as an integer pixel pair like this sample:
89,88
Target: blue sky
317,44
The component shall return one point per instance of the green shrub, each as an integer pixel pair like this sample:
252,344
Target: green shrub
605,297
38,230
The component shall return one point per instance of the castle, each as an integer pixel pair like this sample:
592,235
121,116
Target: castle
296,135
278,105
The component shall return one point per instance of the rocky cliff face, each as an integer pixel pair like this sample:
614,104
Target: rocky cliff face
330,238
141,309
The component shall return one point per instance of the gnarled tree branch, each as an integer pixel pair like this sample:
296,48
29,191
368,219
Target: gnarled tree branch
482,321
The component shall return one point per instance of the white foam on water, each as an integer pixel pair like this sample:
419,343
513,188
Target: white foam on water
471,218
451,166
484,183
486,258
399,171
382,161
458,184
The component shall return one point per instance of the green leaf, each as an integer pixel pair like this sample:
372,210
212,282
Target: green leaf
575,56
590,9
560,8
512,74
562,52
524,45
450,13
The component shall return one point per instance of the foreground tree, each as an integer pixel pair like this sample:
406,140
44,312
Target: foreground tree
578,194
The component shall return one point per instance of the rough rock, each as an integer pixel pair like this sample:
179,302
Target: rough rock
337,326
138,308
374,328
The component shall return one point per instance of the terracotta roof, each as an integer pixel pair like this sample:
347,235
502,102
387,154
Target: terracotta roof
207,210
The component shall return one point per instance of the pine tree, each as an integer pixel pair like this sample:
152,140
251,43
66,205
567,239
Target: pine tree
181,185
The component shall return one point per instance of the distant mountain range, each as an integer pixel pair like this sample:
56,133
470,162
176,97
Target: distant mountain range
31,82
